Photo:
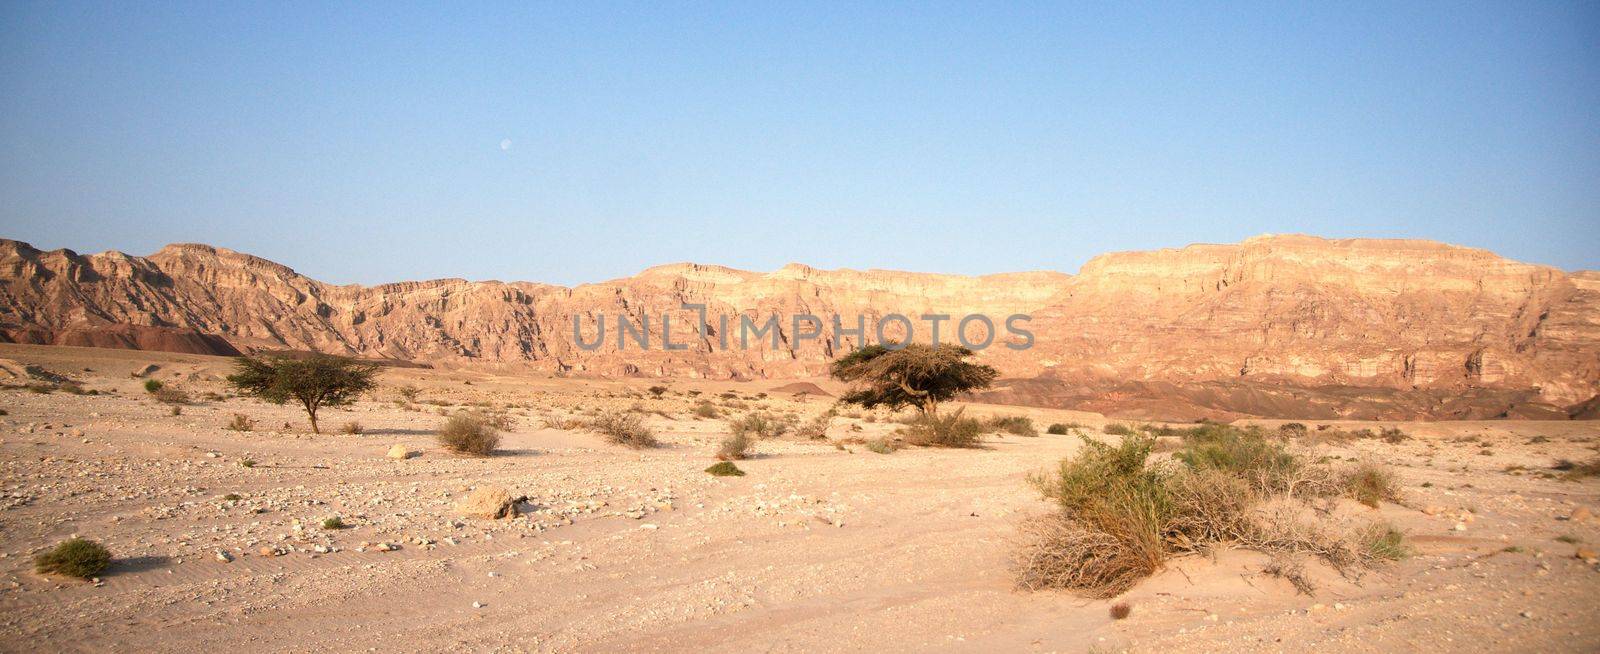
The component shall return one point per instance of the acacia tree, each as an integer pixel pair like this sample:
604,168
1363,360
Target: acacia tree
915,375
315,382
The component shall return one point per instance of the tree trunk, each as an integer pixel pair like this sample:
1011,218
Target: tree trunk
312,411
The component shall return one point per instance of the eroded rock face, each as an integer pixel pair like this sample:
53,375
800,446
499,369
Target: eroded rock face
1295,310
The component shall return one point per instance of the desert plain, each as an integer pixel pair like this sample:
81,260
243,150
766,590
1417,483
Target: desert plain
823,545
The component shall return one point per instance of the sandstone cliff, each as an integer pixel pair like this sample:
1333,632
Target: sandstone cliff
1281,311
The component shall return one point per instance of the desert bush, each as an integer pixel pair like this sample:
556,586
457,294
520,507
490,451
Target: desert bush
169,395
152,385
1292,430
334,522
883,445
1384,543
624,428
1016,425
469,433
759,424
1393,435
408,392
1122,514
176,410
1121,610
705,409
1370,483
1119,429
658,391
1246,453
74,558
352,428
1057,428
814,429
1574,471
951,430
735,446
725,469
241,422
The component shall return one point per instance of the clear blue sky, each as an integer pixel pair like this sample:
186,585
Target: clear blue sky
365,144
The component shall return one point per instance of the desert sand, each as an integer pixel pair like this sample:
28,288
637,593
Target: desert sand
822,546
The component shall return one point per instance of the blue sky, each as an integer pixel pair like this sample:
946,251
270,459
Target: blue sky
364,144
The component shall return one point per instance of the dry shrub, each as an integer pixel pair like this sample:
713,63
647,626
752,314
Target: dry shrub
705,409
883,445
1119,429
1059,552
170,395
1121,610
1370,483
1574,471
1121,517
760,424
1058,428
735,446
951,430
1290,568
815,429
1016,425
241,422
469,433
352,428
624,428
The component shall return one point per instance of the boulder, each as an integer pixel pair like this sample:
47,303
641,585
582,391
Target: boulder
488,502
400,452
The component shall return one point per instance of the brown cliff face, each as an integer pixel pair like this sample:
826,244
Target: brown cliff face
1291,311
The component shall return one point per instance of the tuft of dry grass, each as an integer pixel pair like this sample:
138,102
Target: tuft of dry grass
1121,610
352,428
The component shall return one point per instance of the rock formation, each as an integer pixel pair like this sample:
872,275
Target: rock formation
1273,312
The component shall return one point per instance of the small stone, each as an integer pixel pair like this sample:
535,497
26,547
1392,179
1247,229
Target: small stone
399,452
224,557
477,605
1585,553
1461,526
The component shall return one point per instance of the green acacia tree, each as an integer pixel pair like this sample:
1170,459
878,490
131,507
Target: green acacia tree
915,375
315,382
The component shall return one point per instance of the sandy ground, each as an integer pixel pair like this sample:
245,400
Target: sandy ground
818,548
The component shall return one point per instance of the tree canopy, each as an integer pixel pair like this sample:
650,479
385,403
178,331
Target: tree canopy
315,382
915,375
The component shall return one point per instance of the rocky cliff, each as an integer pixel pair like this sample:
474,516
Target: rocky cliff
1288,311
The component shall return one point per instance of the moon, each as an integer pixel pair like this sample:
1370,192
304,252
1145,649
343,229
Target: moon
505,144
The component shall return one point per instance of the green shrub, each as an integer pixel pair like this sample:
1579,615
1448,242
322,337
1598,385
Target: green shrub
334,522
1119,429
74,558
725,469
951,430
1246,453
1385,543
1057,428
469,433
624,428
152,385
